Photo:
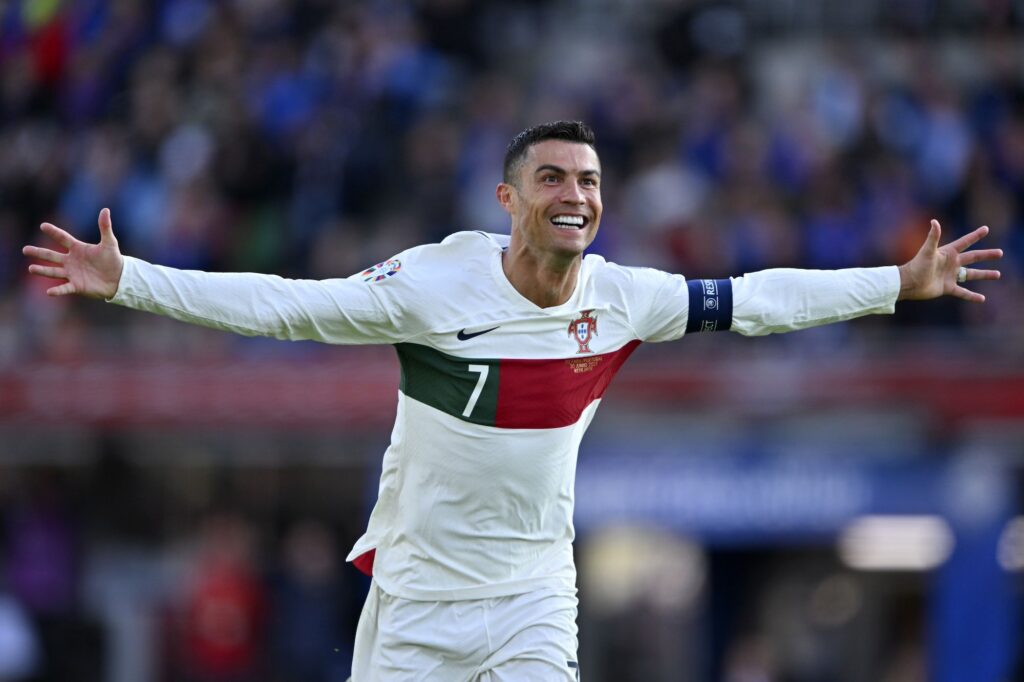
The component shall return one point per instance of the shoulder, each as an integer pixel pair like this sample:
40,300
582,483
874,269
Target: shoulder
602,273
458,246
429,270
655,302
474,242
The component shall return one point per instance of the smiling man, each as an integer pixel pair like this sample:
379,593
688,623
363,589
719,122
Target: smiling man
507,344
552,190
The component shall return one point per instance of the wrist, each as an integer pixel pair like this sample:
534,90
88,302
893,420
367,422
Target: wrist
908,283
115,284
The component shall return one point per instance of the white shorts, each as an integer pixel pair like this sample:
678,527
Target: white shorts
530,636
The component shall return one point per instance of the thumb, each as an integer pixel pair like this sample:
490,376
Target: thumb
106,228
934,235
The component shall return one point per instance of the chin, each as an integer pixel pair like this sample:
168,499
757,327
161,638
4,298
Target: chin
572,249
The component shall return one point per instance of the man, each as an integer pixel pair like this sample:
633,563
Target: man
506,346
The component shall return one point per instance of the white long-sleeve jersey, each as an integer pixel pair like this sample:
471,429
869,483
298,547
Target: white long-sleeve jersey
476,492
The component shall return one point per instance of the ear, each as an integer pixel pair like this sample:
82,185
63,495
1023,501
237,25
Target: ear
506,195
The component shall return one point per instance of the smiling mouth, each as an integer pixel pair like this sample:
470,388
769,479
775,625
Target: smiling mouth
565,221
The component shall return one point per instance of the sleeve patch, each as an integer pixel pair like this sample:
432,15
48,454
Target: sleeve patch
381,271
710,305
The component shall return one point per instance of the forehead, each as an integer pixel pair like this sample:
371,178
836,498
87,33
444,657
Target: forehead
573,157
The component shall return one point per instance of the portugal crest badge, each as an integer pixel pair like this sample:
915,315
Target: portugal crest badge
582,329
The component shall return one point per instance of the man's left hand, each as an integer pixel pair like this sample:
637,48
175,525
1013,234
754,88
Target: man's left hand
933,271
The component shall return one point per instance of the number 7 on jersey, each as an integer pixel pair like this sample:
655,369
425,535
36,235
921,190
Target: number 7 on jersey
478,389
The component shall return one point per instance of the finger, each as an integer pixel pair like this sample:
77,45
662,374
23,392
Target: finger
58,235
48,271
971,257
44,254
934,235
61,290
975,275
968,295
106,227
970,238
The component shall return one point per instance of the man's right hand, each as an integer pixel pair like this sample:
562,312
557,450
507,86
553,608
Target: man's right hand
92,270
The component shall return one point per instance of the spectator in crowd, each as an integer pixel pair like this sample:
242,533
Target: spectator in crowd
309,638
221,635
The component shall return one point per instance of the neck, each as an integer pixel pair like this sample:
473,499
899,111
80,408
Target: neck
547,282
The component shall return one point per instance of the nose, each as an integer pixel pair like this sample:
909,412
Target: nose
573,194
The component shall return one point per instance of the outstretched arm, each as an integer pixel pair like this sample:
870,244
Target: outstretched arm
934,271
333,310
781,300
92,270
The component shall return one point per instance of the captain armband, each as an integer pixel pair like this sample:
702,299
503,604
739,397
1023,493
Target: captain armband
710,305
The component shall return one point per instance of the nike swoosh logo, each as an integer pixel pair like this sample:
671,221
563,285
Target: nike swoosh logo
463,336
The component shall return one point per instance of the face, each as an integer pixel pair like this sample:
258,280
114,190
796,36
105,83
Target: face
556,205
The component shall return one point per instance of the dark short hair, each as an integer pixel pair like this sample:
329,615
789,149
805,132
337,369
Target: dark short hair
570,131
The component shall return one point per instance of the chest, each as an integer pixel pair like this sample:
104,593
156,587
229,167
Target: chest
530,371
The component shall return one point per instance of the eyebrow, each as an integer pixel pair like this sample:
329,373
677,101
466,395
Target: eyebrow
562,171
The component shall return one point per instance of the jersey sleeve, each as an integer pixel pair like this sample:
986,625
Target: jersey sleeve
658,304
338,311
665,307
783,299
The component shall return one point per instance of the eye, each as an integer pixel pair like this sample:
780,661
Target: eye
549,179
589,182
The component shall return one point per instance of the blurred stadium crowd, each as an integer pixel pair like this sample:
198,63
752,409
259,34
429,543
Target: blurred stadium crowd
312,138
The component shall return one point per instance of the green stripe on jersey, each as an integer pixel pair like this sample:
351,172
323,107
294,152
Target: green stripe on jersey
465,388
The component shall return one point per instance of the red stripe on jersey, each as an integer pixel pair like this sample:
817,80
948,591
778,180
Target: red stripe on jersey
364,562
547,394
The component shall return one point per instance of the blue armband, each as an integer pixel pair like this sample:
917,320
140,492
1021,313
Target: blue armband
710,305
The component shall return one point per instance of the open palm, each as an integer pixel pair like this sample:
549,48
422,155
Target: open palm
933,271
92,270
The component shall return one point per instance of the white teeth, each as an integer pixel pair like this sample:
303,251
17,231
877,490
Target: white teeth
568,220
